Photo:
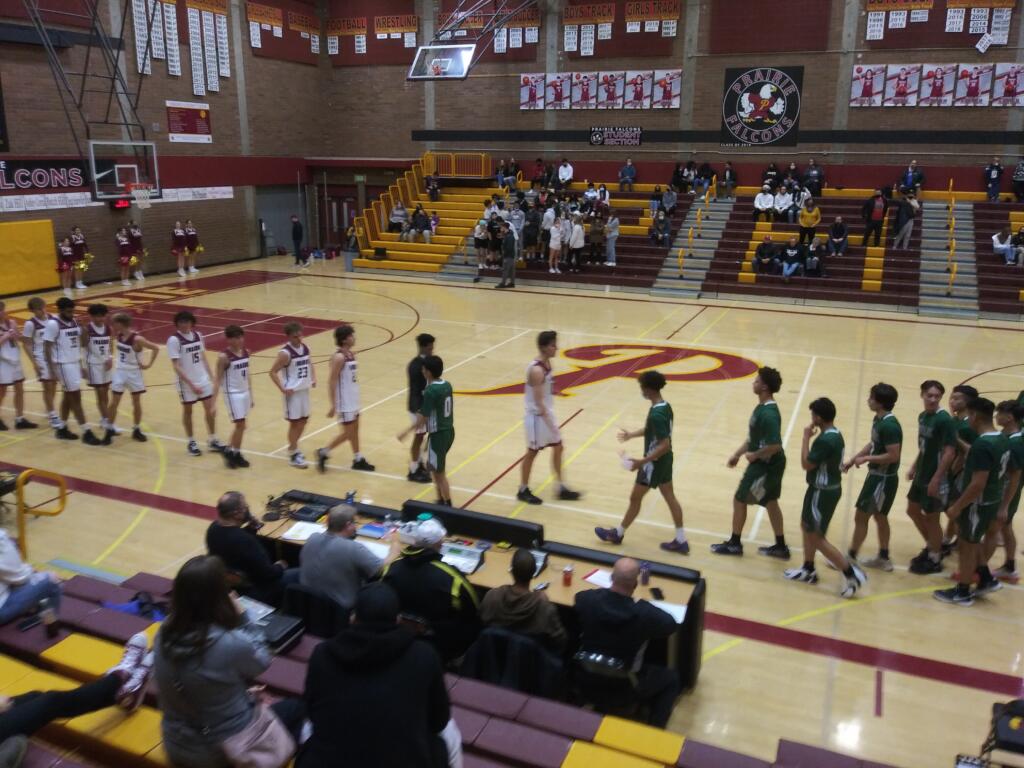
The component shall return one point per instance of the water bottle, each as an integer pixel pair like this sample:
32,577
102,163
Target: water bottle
350,497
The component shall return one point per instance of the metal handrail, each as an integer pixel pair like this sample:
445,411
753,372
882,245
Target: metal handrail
23,508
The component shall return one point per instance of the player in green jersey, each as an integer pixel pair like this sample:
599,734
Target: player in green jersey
882,455
929,476
978,504
962,395
654,469
1009,418
766,462
437,416
822,461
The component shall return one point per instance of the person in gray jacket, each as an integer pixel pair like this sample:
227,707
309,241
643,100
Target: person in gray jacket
508,256
206,655
611,234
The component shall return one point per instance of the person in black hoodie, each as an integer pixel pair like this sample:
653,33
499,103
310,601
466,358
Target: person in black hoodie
376,695
614,624
518,608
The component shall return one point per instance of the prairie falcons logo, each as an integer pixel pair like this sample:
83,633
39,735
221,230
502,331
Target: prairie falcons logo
761,106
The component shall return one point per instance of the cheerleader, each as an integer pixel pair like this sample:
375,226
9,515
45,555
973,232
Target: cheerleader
82,258
139,252
192,245
179,247
65,264
125,254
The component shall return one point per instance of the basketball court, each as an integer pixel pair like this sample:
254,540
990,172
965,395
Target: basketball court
892,675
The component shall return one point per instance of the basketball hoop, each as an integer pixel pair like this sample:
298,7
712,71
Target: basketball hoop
140,192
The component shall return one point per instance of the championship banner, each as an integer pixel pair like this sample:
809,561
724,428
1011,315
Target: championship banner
761,106
973,85
5,145
637,90
302,23
406,22
666,87
559,90
902,82
617,136
592,13
188,122
611,90
900,5
649,10
867,85
584,90
981,3
264,14
937,84
341,27
465,20
1007,89
531,90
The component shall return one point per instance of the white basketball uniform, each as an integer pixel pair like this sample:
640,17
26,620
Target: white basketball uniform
235,384
347,391
539,432
66,337
10,357
190,352
35,329
97,354
128,374
297,378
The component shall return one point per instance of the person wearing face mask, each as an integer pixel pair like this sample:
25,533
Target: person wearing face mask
661,230
874,211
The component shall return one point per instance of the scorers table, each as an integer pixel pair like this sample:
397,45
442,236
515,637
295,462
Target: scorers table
684,590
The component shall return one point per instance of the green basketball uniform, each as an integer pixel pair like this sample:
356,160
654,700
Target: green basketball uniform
438,409
1016,442
882,482
657,428
762,479
824,482
967,435
1020,398
935,431
989,452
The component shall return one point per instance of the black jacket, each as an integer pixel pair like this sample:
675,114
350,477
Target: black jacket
869,205
297,231
904,212
767,251
376,697
838,231
619,626
508,245
242,552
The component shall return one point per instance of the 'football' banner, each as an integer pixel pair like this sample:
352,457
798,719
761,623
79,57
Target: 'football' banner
761,106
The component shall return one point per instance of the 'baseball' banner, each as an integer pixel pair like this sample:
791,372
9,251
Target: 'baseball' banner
761,106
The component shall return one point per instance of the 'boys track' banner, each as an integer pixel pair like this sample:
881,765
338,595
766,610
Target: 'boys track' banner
761,106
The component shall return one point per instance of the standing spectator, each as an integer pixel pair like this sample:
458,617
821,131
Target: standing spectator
814,177
531,231
550,175
23,589
771,176
564,175
596,238
297,240
1018,181
783,203
703,181
539,172
611,234
567,216
627,176
815,264
727,181
678,181
399,217
480,243
517,221
554,244
838,237
906,211
792,259
911,179
801,196
546,223
494,241
810,217
764,204
433,188
508,256
874,211
993,176
520,609
668,202
655,202
577,239
1002,245
661,230
766,257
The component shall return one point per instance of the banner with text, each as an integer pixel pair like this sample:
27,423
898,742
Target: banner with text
761,106
188,122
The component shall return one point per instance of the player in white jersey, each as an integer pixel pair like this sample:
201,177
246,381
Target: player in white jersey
32,338
293,373
233,379
128,374
343,386
11,374
195,381
541,428
63,343
98,361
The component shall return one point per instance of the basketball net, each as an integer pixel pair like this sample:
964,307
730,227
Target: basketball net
140,192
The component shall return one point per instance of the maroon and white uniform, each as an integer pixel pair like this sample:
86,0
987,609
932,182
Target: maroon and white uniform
190,353
666,92
179,241
97,354
65,258
347,390
541,431
66,337
191,239
556,90
135,234
902,86
78,246
938,85
34,329
973,86
638,91
10,354
1010,86
128,374
867,84
125,249
585,91
298,378
235,384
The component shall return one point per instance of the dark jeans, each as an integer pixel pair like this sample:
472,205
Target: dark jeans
36,709
298,251
872,226
658,687
806,233
508,271
767,215
1018,191
271,594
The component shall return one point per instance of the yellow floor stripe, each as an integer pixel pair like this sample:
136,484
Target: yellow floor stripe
673,313
709,326
429,488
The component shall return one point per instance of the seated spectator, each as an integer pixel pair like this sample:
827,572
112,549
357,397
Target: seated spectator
678,181
661,230
564,175
766,257
838,237
874,211
689,177
612,623
907,209
783,203
232,537
207,654
399,217
727,181
539,173
420,225
435,222
703,180
589,198
511,173
1018,181
911,179
815,264
434,593
792,176
597,238
993,176
1002,245
500,172
627,176
23,589
771,177
810,218
1018,246
793,258
764,204
518,608
337,565
433,188
604,199
376,695
814,178
655,202
668,201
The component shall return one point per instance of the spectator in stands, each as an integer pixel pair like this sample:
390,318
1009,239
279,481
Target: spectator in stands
232,537
668,201
1018,181
838,237
564,175
874,211
433,188
539,173
517,221
434,593
703,180
993,177
1002,245
810,218
604,200
435,222
297,240
611,235
518,608
420,225
792,176
399,217
911,179
509,248
337,565
500,173
764,204
815,264
690,177
597,240
577,239
627,176
678,182
771,177
531,231
793,258
567,217
801,196
376,695
1018,247
494,241
655,202
766,257
207,654
480,243
589,198
613,624
23,589
511,173
661,230
783,203
814,177
907,209
727,181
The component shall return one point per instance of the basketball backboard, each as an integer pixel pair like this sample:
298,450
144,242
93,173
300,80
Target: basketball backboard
442,62
115,165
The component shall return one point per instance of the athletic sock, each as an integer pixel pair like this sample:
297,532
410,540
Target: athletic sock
848,572
852,554
883,554
780,541
734,539
358,456
620,531
984,574
963,589
808,565
1009,566
935,556
681,535
413,466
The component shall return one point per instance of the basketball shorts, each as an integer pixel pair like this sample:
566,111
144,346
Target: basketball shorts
655,473
10,371
188,395
975,520
45,374
239,404
819,506
348,417
69,375
296,405
127,379
98,374
878,494
931,504
539,433
438,445
413,419
761,482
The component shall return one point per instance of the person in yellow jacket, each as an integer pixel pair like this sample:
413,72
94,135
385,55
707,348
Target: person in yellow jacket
810,217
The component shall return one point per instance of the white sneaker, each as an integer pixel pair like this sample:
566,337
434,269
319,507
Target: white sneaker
181,273
800,574
126,282
551,271
850,586
139,276
67,292
881,563
193,270
298,460
1002,572
80,285
134,651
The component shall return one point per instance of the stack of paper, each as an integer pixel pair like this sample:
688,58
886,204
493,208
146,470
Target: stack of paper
301,531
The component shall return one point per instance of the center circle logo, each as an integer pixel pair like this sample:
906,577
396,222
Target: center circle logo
761,106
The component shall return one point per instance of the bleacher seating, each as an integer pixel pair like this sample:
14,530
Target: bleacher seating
1000,288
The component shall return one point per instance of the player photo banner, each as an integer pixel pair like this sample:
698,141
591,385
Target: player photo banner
531,90
616,136
937,84
665,88
610,91
902,82
584,90
1008,87
559,90
867,85
761,106
637,90
973,85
